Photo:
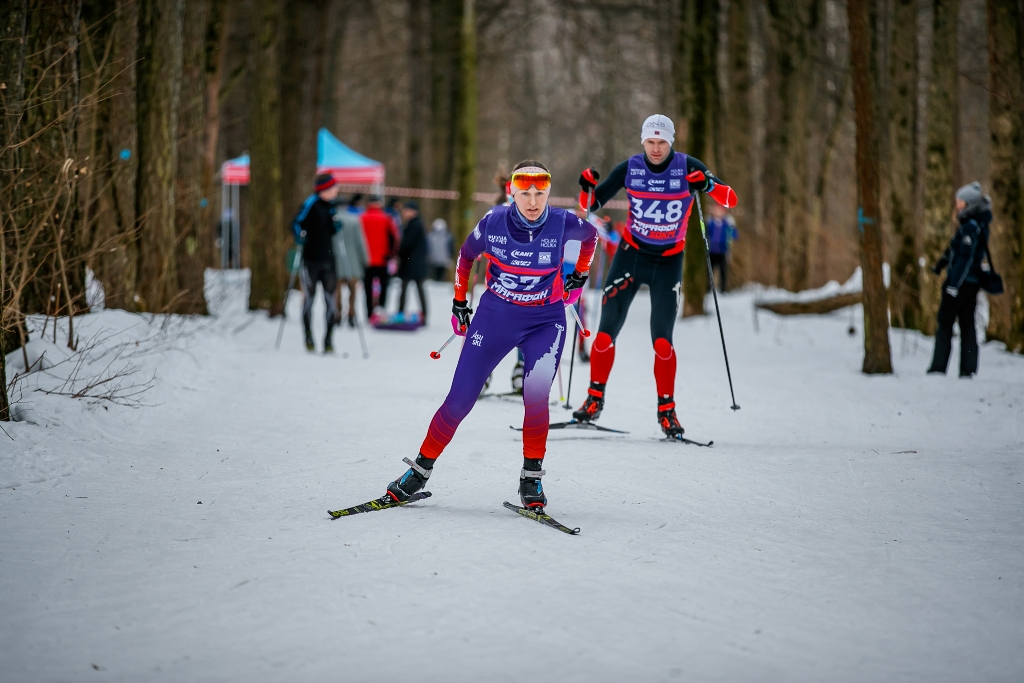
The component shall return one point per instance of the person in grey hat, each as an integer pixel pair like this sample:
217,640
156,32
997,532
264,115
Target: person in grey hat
962,261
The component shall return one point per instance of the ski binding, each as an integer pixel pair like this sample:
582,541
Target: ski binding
382,503
580,424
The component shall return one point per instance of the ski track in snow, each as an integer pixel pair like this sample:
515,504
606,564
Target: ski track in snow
842,528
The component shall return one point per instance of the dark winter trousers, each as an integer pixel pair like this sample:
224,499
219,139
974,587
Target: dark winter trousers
379,273
419,291
312,273
721,262
663,275
959,308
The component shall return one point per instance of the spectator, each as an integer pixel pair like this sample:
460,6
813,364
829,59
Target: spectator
721,234
394,210
964,277
440,250
379,232
412,255
355,205
314,227
352,269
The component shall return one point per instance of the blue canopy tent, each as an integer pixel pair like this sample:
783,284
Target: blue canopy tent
332,156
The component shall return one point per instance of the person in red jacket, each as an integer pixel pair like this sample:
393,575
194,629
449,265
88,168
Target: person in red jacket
379,231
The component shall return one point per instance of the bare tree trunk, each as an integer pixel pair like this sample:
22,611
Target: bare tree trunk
303,57
445,51
737,140
905,276
466,123
940,151
213,70
864,72
796,25
419,84
119,269
266,244
159,83
193,238
703,32
1006,126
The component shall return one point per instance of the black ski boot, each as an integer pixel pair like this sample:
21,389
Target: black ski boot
592,407
667,418
328,346
531,491
310,346
412,481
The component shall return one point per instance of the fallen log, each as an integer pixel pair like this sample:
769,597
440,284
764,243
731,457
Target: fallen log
817,306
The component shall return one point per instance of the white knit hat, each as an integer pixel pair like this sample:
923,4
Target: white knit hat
659,127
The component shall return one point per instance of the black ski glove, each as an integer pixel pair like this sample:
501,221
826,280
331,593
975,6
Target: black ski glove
575,280
589,178
938,267
461,311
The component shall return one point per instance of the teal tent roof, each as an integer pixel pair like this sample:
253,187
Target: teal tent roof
333,153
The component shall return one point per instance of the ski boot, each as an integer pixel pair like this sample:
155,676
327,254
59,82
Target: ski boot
328,346
667,418
592,407
310,346
517,377
352,321
412,481
531,491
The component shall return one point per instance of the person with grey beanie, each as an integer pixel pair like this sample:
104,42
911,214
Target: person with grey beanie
966,274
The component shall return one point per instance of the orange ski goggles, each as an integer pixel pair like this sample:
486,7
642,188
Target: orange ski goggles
524,178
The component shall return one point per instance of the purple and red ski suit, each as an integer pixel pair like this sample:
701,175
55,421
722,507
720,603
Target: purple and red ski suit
522,308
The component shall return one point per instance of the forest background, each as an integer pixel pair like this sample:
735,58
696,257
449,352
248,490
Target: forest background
844,127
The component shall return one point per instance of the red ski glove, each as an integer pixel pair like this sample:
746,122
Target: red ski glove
720,192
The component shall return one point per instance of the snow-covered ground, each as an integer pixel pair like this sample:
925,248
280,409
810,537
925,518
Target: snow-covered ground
842,528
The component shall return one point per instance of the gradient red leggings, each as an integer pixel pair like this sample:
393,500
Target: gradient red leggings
497,328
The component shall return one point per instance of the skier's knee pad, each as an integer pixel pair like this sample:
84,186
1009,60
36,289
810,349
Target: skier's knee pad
602,342
663,348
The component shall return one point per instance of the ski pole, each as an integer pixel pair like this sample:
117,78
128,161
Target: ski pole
437,354
561,394
355,313
572,361
585,332
714,291
291,283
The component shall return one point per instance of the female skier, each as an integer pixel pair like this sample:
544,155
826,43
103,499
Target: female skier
658,184
524,307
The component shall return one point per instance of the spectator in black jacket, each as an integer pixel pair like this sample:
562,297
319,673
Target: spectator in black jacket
963,261
412,256
314,227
